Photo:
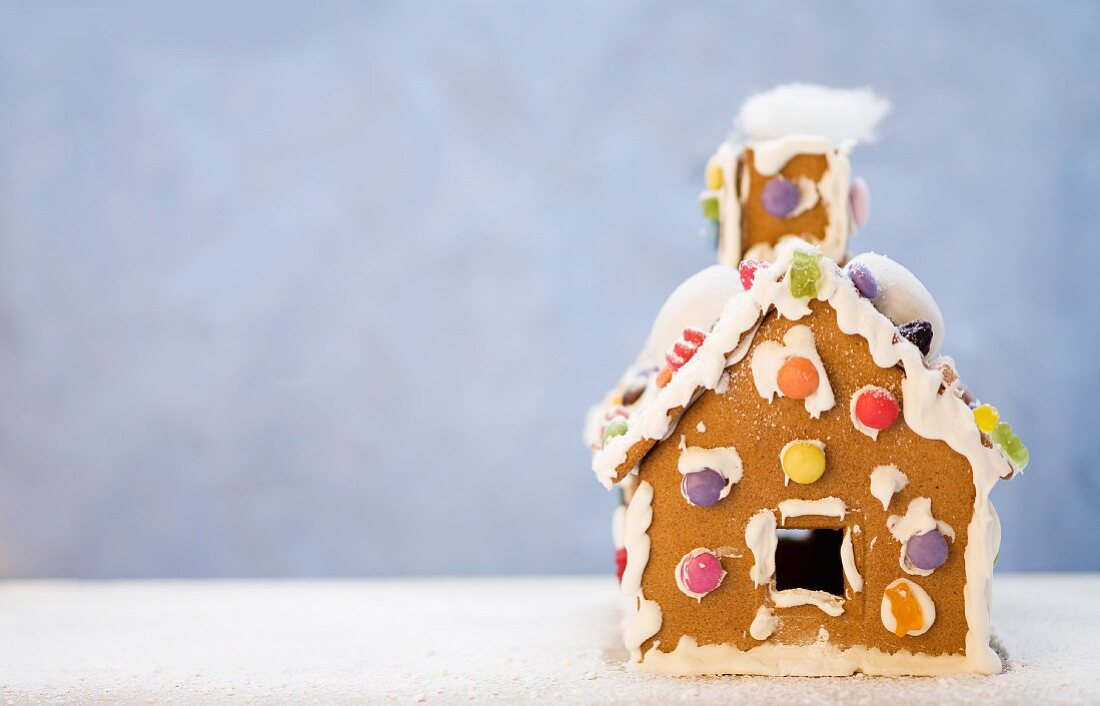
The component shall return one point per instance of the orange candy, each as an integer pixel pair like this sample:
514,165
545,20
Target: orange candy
798,378
664,376
905,608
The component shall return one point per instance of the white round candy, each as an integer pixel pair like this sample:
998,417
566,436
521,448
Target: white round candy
901,296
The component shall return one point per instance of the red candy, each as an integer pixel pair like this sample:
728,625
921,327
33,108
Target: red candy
684,349
877,408
620,562
748,270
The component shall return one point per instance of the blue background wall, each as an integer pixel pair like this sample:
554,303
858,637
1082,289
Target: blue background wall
322,292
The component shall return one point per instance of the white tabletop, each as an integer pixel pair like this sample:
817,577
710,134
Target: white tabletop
526,640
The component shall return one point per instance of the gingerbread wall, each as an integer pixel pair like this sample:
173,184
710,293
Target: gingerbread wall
759,226
759,430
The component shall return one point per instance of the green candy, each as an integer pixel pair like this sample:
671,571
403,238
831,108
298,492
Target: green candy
710,208
617,427
1010,444
805,274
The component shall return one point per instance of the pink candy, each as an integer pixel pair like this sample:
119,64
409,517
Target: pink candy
699,573
859,199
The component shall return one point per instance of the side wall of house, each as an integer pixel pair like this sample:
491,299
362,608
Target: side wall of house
759,430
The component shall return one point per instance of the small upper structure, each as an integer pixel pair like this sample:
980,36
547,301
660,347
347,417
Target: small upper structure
785,172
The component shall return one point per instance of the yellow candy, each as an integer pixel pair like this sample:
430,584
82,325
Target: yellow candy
803,461
986,417
714,176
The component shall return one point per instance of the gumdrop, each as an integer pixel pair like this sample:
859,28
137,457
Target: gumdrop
1011,445
620,563
710,208
919,333
780,197
805,273
617,427
986,417
714,176
748,269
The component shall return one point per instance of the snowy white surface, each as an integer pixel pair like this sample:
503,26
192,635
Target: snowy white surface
533,640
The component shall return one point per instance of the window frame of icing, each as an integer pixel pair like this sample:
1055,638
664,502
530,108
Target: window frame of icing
851,604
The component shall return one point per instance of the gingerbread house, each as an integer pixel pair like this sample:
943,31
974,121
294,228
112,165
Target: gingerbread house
806,480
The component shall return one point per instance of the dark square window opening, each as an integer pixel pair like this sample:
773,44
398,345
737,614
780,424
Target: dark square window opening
809,559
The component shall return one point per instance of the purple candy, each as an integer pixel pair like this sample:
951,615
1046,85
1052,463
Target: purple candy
927,551
859,200
863,280
703,488
780,197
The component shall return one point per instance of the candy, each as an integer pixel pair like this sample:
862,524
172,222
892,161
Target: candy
805,273
780,197
714,176
859,200
863,280
703,488
617,427
620,563
748,269
699,573
986,417
803,461
876,408
1011,445
906,609
927,551
710,208
664,376
798,378
684,349
919,333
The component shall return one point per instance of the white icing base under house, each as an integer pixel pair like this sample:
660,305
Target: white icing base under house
819,659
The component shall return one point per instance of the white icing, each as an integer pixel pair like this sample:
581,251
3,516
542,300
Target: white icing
817,659
696,303
680,579
761,539
723,459
848,560
807,191
918,519
824,507
926,412
791,597
863,428
639,515
927,608
901,296
764,624
700,427
647,620
885,481
729,204
769,356
836,113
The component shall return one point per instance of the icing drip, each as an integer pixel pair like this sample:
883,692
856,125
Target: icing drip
769,356
647,620
885,482
761,539
827,602
764,624
825,507
723,459
848,561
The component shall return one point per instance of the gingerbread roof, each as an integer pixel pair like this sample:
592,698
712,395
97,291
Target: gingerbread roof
872,297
